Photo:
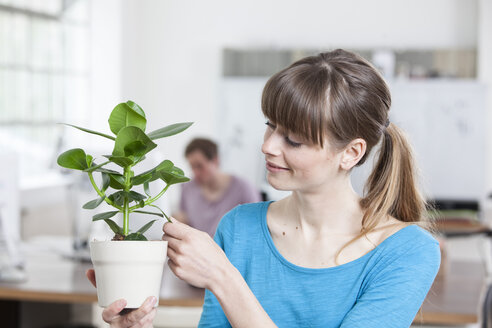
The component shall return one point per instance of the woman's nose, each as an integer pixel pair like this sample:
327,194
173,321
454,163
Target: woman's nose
271,144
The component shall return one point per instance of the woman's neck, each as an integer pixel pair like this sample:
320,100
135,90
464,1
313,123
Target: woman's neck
335,210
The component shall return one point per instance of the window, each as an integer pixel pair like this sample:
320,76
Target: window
44,76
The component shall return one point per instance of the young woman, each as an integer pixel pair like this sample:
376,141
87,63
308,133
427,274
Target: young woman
324,256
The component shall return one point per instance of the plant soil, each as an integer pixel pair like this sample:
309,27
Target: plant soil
118,237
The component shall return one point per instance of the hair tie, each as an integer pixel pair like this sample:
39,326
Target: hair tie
387,123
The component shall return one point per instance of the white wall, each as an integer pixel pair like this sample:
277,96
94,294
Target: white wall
485,68
106,63
172,49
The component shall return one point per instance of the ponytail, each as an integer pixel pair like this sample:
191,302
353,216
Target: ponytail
391,189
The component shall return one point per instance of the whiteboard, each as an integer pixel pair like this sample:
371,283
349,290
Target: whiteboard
446,123
444,120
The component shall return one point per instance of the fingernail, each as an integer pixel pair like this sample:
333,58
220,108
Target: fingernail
121,303
153,300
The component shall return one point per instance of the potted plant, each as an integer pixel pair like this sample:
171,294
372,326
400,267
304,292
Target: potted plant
128,266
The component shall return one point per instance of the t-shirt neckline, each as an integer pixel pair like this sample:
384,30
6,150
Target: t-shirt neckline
283,260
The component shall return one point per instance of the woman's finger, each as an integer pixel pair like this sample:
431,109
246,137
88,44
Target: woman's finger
176,229
146,322
91,275
134,317
113,310
171,254
172,242
173,267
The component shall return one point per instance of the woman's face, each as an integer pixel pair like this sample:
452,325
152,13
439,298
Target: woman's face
296,164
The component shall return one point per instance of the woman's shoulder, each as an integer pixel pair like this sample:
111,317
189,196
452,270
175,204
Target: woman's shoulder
395,231
409,244
415,234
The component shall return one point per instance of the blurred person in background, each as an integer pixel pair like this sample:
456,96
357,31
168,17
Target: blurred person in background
211,193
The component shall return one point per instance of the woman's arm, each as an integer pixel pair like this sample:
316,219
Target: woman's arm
195,258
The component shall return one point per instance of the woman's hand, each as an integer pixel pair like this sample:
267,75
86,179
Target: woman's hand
194,257
197,259
139,318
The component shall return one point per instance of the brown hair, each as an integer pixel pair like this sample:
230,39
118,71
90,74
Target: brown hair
341,96
206,146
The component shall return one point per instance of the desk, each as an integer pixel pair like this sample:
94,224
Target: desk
453,299
455,296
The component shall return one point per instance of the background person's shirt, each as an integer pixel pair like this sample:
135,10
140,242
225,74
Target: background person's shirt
383,288
205,215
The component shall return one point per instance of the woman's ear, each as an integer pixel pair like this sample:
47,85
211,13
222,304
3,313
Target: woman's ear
353,153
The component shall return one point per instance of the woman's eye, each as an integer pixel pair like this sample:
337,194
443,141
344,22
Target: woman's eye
286,138
292,143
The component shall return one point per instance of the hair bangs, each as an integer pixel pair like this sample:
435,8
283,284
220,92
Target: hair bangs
291,99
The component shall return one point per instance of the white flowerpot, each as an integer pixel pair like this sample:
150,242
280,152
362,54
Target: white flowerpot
131,270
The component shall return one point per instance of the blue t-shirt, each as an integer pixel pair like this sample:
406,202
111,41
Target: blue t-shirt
383,288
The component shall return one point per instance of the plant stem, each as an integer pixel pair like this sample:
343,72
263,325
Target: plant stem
100,193
126,202
150,200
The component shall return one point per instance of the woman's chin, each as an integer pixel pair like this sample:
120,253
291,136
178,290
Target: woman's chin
277,185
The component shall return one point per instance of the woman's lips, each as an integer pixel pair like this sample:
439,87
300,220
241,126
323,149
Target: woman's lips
275,168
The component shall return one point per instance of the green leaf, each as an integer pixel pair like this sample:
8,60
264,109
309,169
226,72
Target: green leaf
164,214
177,170
118,197
90,131
118,178
150,175
136,108
116,181
176,175
103,170
169,130
88,160
120,160
133,195
75,159
136,148
124,115
146,227
95,166
116,228
138,160
135,236
105,181
147,189
93,203
142,178
127,140
104,216
146,212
